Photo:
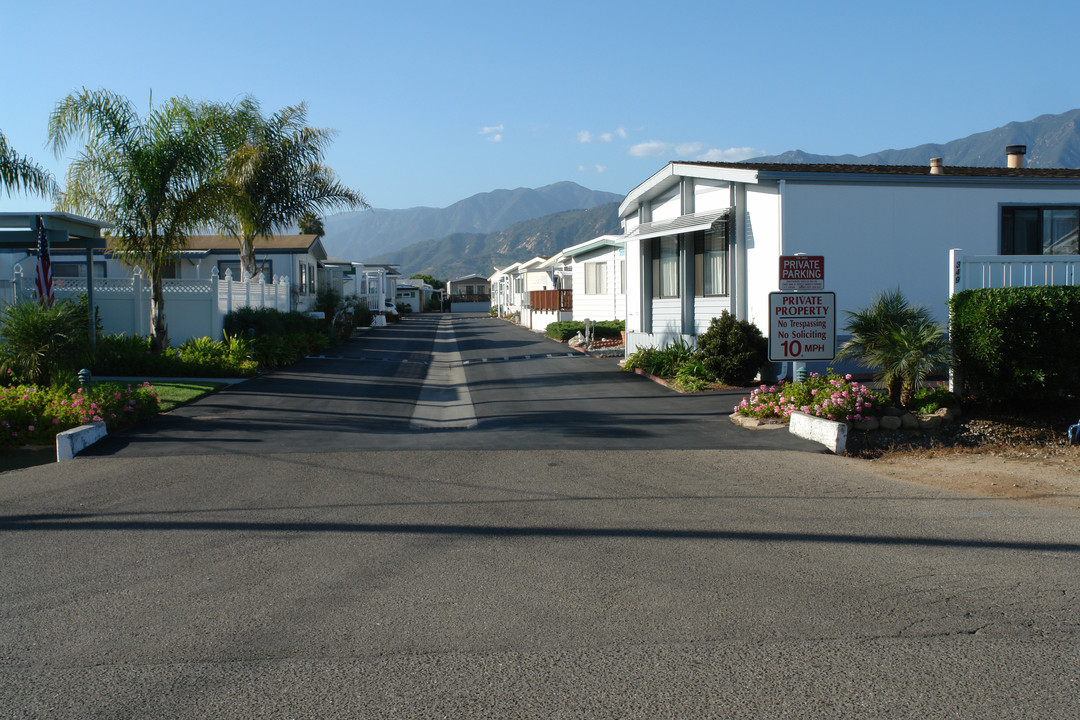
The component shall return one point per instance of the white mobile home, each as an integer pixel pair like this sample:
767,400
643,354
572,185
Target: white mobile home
705,237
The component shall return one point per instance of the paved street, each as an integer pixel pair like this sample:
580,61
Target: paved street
455,518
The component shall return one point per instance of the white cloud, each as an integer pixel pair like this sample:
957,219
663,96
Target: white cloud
601,168
497,137
584,136
685,149
651,148
621,132
581,168
607,137
730,155
490,129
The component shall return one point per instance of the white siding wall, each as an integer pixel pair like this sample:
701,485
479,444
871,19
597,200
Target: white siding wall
667,316
609,306
877,237
763,251
668,205
537,280
634,277
710,195
707,308
630,224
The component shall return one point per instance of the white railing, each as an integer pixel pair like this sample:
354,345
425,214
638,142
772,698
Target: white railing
971,272
193,308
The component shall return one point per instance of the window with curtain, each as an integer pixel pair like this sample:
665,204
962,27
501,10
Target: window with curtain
1028,230
596,278
710,262
665,273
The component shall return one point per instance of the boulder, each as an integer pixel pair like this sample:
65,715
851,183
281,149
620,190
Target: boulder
891,422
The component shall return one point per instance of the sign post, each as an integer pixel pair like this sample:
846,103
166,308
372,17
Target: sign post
802,317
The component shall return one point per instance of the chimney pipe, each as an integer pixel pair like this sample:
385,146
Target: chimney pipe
1016,155
936,167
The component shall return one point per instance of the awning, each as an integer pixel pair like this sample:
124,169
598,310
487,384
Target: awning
681,224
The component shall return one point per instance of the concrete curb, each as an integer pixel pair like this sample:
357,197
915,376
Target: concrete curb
71,442
831,434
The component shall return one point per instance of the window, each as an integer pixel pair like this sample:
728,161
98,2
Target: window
519,285
76,269
710,261
1040,230
596,278
665,267
266,268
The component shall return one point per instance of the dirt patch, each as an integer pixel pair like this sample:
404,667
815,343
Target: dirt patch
1017,455
1045,480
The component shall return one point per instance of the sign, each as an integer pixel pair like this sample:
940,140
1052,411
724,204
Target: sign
802,326
802,273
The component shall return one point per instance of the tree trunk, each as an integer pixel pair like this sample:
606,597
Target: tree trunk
247,256
159,331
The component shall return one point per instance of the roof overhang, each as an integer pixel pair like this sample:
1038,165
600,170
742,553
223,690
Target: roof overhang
18,231
673,172
594,244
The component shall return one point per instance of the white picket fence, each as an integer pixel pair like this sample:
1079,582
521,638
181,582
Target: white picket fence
974,272
193,308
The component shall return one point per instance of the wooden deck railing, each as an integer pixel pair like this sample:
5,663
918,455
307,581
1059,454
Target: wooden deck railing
551,300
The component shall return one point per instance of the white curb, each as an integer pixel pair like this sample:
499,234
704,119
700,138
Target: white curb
831,434
71,442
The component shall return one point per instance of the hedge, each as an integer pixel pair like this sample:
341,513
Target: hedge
1020,343
565,330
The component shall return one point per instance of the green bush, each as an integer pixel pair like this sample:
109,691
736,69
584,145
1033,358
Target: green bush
41,341
733,351
1018,343
256,322
662,362
564,330
127,355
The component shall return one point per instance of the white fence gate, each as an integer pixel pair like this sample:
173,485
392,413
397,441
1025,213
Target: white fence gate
193,308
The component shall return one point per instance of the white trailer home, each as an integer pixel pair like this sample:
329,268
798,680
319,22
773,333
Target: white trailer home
705,237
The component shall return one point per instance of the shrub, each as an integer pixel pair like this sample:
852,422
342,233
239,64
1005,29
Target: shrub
827,396
733,351
41,341
1017,343
900,341
564,330
248,321
197,357
662,362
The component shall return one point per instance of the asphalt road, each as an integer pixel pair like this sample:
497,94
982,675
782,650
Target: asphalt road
296,547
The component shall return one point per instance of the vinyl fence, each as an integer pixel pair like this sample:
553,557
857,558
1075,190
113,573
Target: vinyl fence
193,308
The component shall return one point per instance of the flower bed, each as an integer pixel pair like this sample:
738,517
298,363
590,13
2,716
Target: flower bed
829,396
33,416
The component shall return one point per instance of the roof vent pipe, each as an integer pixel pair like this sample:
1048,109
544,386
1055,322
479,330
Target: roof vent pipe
1016,155
936,167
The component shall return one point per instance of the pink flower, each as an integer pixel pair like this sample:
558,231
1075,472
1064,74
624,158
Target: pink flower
97,418
30,428
56,421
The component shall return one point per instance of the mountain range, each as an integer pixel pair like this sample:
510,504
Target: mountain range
1053,141
370,233
502,227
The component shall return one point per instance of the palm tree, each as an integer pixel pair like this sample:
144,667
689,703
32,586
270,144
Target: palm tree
275,167
155,178
311,224
21,172
900,341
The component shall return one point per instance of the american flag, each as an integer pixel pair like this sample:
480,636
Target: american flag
43,279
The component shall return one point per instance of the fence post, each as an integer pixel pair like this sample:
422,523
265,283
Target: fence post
955,285
228,290
262,291
246,279
217,320
140,316
284,290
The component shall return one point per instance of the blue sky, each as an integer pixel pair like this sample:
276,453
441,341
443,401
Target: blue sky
437,101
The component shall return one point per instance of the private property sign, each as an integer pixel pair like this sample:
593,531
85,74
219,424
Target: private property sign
802,273
802,326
